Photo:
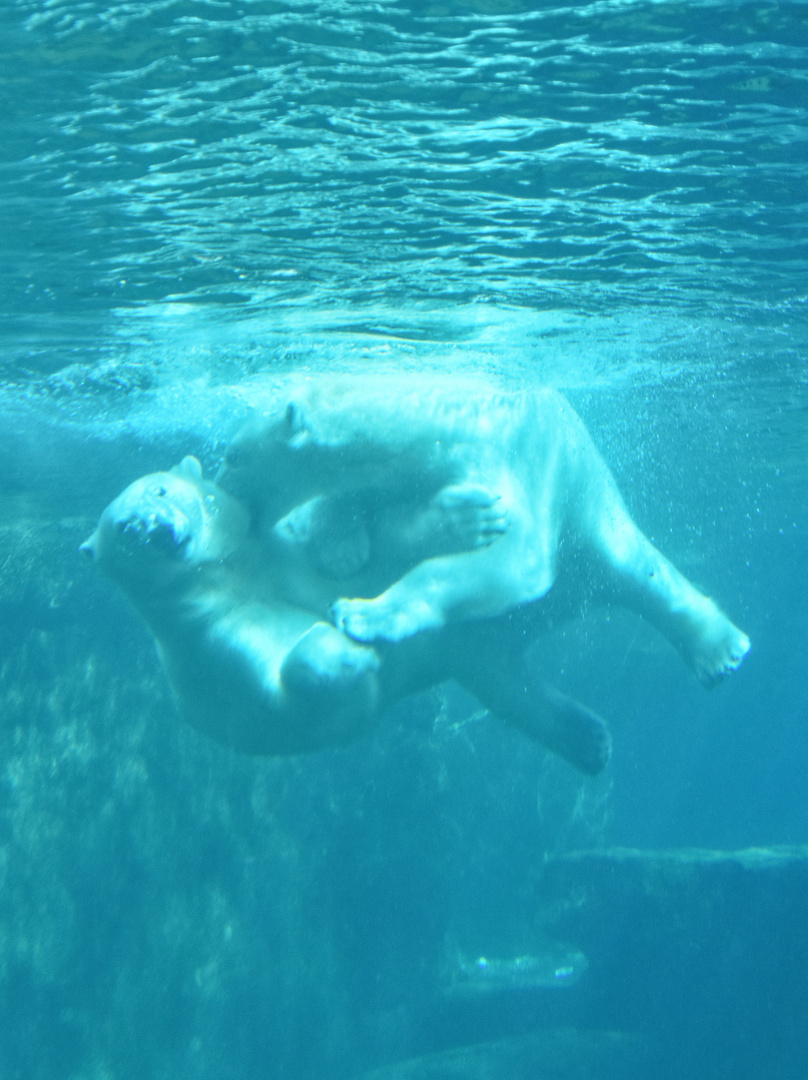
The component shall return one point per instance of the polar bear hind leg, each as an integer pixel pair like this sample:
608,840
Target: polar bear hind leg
504,681
641,578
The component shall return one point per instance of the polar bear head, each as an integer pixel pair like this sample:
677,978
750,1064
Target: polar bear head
164,526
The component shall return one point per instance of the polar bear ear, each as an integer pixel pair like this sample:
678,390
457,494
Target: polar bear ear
90,546
296,428
190,467
295,421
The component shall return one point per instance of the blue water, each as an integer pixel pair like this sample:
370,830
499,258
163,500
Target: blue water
608,197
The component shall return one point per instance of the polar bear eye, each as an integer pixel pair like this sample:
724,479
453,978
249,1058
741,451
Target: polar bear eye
160,492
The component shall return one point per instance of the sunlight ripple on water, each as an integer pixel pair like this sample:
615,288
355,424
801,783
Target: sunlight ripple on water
255,155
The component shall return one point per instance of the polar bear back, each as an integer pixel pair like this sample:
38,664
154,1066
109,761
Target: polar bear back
411,433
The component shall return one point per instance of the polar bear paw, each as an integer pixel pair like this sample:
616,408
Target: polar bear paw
468,517
719,649
325,662
577,734
379,620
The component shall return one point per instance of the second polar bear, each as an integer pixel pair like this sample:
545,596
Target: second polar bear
413,438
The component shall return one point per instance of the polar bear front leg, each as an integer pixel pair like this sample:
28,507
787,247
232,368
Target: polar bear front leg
324,662
473,585
332,684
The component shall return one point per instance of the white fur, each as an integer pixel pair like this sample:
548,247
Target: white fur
416,434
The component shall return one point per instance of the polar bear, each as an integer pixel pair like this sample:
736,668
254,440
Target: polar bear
421,436
180,549
267,676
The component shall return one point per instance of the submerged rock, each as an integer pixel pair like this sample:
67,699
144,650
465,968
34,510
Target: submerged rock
547,1055
703,951
696,967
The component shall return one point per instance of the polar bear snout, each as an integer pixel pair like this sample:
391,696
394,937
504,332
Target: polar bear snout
167,530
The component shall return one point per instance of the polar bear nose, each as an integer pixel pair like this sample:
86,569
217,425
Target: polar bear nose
155,530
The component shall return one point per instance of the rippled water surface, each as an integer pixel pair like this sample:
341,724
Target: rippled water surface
431,169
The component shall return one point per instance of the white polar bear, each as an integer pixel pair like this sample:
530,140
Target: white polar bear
266,676
180,549
414,438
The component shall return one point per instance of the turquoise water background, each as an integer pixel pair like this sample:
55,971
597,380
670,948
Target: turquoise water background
608,197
